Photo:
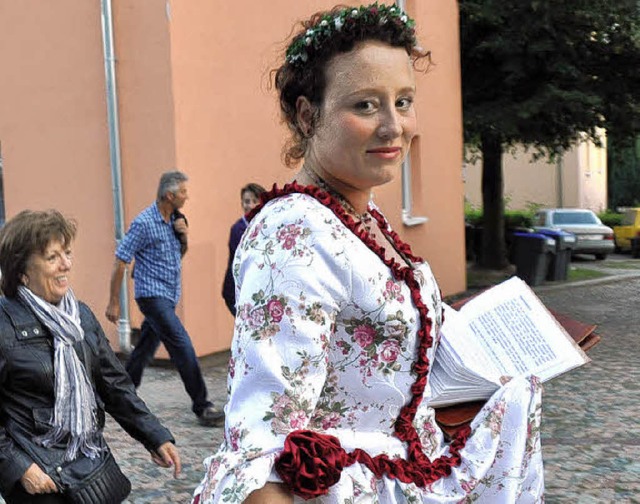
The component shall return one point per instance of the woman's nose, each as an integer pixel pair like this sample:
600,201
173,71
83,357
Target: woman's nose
66,261
390,125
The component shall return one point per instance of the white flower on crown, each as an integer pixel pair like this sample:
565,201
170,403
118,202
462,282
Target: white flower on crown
307,41
324,22
392,9
404,18
338,22
310,31
354,12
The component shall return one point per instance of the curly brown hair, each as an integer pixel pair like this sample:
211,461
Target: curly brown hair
309,79
27,233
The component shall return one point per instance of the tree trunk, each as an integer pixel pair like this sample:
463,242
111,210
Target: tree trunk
494,251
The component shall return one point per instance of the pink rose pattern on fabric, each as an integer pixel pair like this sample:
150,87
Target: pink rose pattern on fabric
369,342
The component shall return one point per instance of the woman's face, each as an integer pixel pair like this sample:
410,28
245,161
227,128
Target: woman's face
367,119
47,274
249,201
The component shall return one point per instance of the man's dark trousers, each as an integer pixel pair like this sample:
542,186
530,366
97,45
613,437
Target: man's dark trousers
161,324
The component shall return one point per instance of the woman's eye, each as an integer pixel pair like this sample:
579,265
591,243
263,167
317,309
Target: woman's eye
404,103
365,106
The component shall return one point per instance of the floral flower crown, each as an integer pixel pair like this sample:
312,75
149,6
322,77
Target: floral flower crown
345,20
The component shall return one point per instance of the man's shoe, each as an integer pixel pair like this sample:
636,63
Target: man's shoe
211,417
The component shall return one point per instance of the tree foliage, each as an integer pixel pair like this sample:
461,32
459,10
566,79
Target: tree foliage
544,73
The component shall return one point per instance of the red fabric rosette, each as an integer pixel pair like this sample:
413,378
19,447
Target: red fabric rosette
311,463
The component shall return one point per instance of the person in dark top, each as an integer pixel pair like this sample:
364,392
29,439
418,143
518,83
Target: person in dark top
250,197
59,376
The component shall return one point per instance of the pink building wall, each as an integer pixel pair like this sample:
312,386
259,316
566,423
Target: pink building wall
193,94
53,128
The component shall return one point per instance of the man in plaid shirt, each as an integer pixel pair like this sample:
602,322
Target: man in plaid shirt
156,242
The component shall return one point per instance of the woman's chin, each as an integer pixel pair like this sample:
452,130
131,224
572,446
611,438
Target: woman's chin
56,297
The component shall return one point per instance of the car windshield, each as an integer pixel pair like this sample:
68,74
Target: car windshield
629,218
574,218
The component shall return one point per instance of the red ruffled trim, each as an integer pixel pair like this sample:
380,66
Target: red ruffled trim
312,462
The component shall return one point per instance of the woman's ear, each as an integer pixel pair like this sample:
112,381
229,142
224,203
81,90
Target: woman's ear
304,116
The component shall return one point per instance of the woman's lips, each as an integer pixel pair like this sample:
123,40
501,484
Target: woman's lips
386,152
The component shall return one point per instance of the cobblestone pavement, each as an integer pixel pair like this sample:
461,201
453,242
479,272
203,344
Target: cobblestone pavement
590,432
591,416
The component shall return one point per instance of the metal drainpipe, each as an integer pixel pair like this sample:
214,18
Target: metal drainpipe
407,203
559,179
124,328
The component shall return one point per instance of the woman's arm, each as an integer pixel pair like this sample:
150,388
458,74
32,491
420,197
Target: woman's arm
118,393
271,493
14,462
293,277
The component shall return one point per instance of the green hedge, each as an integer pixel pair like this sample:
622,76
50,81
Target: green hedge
524,218
513,218
610,218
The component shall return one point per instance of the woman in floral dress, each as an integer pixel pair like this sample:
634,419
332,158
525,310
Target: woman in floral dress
338,321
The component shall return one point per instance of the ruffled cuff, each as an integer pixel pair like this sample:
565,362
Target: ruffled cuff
230,476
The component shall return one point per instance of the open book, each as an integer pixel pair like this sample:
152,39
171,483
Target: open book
505,331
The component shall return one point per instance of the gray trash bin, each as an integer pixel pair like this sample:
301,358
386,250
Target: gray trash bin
559,264
635,247
532,256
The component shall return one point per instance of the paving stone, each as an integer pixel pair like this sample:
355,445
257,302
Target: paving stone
590,430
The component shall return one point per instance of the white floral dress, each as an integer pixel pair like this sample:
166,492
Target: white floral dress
325,340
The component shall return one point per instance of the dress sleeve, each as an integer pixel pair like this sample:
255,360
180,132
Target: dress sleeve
293,278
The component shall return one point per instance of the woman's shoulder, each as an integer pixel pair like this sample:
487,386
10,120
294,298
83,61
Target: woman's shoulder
295,207
88,319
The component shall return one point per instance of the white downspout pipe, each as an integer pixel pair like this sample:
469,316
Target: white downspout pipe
124,328
407,204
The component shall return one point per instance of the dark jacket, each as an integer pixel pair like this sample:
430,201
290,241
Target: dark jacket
27,396
229,285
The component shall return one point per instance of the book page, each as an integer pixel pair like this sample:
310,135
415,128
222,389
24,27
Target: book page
505,331
519,334
461,346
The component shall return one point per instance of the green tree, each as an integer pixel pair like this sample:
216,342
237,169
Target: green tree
543,74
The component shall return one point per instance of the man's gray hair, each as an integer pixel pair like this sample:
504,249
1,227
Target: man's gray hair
170,182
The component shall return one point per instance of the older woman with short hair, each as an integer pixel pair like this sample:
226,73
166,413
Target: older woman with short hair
58,376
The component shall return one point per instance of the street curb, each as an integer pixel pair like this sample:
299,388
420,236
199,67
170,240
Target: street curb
584,283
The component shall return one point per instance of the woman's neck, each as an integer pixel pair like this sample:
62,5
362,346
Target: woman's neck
353,200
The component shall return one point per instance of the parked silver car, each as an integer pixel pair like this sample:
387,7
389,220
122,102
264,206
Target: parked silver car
592,237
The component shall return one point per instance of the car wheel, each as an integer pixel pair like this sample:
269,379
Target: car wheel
601,257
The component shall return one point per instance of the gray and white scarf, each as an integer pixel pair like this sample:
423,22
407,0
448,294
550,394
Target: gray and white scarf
74,413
